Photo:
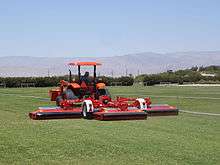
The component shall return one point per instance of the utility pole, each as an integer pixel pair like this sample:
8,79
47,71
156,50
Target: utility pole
112,73
48,72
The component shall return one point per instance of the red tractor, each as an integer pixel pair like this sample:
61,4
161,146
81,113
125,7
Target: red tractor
75,91
88,97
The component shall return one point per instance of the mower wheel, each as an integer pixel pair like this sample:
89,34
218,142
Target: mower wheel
58,100
142,103
85,113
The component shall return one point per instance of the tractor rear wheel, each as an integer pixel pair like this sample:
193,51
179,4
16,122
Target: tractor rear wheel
70,95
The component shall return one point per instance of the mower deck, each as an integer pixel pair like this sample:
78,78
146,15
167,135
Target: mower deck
162,110
55,113
76,112
120,115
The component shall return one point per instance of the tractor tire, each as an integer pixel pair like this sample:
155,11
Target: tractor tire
58,100
104,92
70,95
85,114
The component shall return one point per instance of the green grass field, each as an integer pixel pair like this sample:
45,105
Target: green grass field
183,139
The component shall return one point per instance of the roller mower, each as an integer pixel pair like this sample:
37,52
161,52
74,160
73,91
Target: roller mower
87,97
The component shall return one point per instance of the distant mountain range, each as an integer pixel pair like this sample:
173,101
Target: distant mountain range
117,65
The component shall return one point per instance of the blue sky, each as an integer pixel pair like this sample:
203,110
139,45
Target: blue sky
107,27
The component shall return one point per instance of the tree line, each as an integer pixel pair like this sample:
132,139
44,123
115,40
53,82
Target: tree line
192,75
13,82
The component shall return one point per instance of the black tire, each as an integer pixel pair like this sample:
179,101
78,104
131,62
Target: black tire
58,100
70,95
85,114
102,92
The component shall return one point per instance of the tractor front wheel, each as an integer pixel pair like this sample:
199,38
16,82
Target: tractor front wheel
59,99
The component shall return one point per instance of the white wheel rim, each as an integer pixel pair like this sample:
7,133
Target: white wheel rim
84,111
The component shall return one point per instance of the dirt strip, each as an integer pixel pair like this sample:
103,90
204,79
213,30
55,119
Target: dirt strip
24,96
178,97
200,113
